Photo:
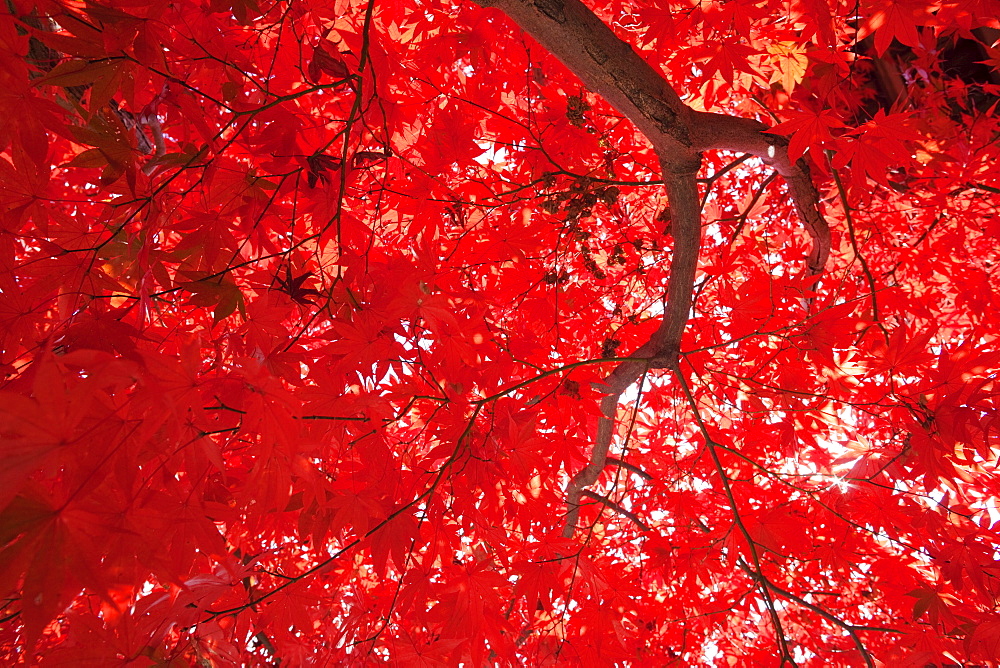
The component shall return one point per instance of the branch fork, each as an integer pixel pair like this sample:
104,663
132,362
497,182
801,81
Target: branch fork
610,67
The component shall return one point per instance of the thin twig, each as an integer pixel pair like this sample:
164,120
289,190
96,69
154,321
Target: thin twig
825,614
614,461
783,648
617,507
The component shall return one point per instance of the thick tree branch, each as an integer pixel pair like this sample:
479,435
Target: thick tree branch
606,64
610,68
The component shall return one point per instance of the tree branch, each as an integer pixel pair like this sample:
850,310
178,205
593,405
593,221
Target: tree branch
606,65
610,67
631,468
678,134
617,507
851,629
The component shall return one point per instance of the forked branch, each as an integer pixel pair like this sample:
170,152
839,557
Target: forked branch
678,134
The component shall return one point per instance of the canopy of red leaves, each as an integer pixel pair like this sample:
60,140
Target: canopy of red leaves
306,307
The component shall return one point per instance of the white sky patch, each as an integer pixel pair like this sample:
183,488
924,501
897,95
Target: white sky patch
493,155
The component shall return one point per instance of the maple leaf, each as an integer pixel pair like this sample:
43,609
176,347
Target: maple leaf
725,58
660,20
37,548
984,641
808,130
897,19
324,62
293,286
208,289
790,64
931,603
319,167
875,146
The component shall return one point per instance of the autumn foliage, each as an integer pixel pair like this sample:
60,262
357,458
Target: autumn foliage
346,332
